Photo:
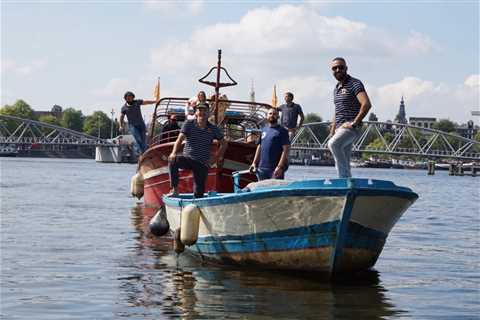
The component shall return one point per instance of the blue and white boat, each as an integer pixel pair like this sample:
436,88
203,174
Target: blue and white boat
337,225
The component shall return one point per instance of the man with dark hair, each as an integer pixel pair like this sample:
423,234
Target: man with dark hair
136,125
351,106
171,129
271,157
290,113
199,135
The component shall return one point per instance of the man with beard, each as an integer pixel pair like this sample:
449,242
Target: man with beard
136,125
271,156
351,106
199,135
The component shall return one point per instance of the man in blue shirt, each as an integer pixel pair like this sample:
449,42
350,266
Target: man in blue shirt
136,125
271,156
351,106
199,135
290,113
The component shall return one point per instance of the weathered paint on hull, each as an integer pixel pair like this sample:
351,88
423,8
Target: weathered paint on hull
329,228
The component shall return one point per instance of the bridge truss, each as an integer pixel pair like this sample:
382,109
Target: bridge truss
393,139
19,131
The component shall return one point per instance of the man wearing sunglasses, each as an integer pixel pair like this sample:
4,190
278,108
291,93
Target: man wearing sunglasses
351,106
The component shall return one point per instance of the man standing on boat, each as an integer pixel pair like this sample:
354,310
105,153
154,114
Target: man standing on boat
290,113
271,157
199,135
351,106
136,125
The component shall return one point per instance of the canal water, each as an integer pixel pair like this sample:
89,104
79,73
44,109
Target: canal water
73,246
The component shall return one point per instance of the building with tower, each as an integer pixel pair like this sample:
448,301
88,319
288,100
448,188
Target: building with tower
401,115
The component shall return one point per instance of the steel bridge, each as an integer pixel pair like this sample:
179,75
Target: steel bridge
20,131
393,139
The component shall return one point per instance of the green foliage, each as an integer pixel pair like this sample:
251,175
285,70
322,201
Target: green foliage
50,120
72,119
477,136
445,125
312,117
19,109
98,120
372,117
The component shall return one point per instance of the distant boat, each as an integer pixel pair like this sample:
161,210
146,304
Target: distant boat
8,150
331,226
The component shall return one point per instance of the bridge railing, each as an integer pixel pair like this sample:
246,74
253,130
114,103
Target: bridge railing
394,139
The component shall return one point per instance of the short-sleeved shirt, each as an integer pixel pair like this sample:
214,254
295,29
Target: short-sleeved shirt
133,113
290,115
271,146
345,99
198,140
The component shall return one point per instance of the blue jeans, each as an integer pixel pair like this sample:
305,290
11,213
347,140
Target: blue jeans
341,147
267,173
139,134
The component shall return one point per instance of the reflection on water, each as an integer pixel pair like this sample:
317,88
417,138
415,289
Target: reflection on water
185,287
71,249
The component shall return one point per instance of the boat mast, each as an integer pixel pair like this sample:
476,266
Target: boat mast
217,84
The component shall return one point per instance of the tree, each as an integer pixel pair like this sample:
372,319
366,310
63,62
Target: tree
372,117
97,121
477,136
312,117
19,109
49,119
72,119
445,125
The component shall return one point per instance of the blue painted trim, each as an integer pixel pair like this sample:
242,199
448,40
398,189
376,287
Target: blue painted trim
342,231
335,187
315,236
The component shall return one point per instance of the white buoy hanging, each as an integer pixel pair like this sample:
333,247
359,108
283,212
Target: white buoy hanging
136,185
190,221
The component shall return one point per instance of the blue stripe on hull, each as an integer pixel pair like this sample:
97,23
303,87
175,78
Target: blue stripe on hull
315,236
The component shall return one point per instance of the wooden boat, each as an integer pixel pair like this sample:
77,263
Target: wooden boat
331,226
238,120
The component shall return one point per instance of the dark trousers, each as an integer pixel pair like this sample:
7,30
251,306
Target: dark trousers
200,173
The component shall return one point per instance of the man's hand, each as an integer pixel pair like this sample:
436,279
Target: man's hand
347,125
172,157
253,168
278,172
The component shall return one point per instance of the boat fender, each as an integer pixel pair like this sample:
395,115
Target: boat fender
136,185
159,225
190,221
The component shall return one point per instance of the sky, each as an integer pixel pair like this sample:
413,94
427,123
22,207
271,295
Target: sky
86,54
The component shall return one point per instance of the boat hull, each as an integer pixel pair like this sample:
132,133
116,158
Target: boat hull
153,165
324,229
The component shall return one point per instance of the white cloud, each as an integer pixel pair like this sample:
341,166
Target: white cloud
426,98
22,69
473,81
169,7
114,87
287,31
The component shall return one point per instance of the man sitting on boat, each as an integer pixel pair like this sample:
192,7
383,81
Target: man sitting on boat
171,129
271,156
199,135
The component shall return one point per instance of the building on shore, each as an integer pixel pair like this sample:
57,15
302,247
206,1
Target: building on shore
401,115
56,111
423,122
